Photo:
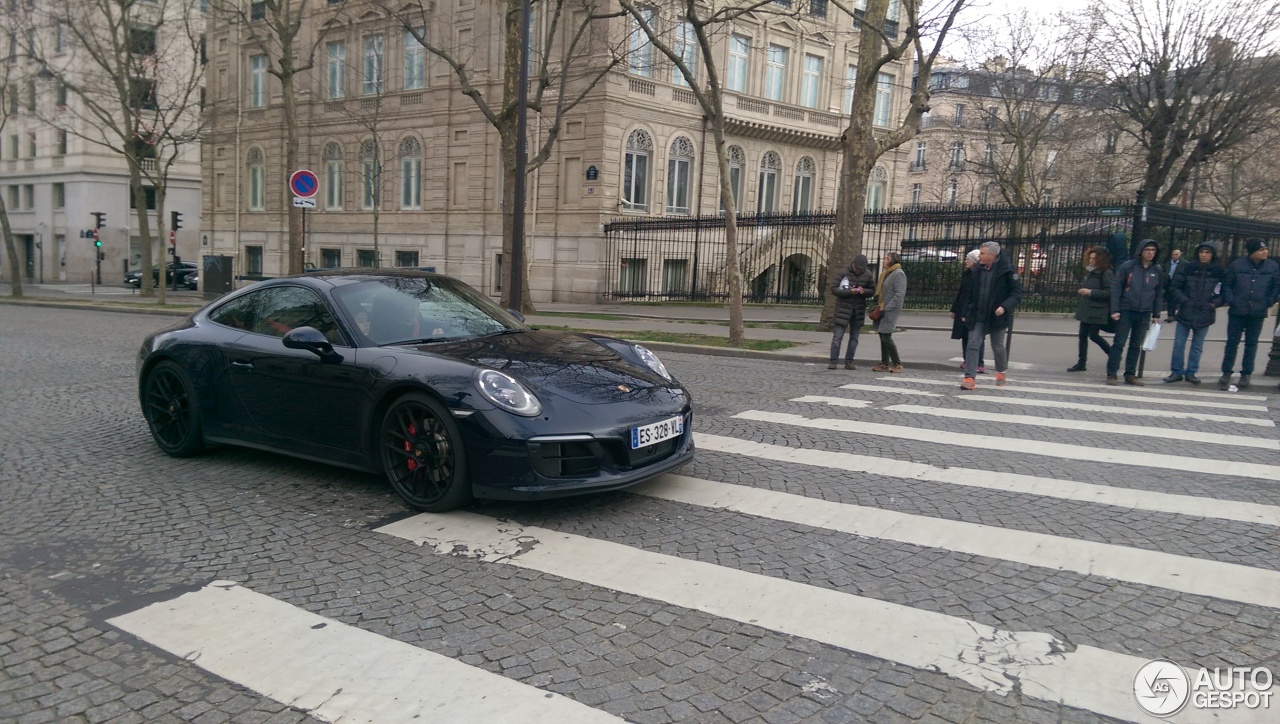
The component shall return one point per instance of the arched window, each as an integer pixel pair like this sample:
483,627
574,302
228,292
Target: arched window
767,191
370,175
802,199
737,160
876,187
679,175
410,174
635,172
333,176
257,180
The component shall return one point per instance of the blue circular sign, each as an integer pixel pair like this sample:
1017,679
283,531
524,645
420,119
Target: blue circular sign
304,183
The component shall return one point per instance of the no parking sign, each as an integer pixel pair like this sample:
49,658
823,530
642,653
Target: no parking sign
303,183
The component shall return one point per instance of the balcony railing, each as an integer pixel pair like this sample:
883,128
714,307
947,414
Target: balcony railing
916,166
644,87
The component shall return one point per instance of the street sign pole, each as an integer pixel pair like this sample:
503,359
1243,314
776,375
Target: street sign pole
304,184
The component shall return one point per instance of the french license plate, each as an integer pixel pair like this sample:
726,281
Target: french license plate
646,435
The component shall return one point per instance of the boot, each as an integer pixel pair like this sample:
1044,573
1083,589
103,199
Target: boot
1243,383
1135,381
1194,380
1079,367
849,365
1113,380
1175,377
831,365
1224,382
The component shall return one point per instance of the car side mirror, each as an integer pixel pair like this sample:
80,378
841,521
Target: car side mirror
312,340
519,317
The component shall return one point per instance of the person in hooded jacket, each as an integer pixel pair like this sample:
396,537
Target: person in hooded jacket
1196,294
1252,285
959,330
1136,300
1093,310
852,288
988,309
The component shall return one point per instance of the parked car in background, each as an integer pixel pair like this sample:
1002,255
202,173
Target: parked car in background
193,281
179,272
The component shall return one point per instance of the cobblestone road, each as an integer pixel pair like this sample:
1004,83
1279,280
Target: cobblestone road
96,523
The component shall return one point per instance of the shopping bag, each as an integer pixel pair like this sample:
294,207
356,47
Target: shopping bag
1153,336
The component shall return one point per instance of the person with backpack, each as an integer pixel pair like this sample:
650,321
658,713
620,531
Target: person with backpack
1136,301
852,288
1196,294
1251,286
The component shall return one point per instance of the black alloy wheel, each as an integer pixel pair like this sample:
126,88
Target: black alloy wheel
172,412
422,454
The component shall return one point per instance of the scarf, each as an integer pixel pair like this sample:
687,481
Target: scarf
880,285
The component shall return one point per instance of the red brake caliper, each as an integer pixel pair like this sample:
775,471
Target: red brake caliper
408,447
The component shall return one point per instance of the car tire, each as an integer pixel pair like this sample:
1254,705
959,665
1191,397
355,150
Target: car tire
422,455
172,411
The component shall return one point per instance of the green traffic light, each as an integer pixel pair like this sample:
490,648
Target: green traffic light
97,242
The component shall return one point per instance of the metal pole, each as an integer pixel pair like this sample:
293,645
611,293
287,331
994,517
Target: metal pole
522,122
304,238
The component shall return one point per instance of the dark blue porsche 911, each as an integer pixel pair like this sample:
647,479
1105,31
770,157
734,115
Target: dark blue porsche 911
420,377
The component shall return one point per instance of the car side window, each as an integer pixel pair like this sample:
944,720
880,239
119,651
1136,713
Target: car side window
283,309
239,313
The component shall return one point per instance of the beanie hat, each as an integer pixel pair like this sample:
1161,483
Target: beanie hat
859,261
972,256
1253,245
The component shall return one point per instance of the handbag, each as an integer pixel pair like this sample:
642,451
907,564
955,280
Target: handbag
875,314
1153,336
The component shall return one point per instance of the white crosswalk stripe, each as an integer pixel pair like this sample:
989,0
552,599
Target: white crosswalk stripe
1149,400
1150,389
1121,412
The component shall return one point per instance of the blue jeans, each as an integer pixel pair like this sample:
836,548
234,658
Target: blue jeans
1131,327
837,336
1192,365
1251,328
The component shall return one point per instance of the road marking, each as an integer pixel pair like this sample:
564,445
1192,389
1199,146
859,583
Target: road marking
1029,447
836,401
1020,387
1162,390
879,388
1012,365
1126,411
1091,426
987,658
331,670
1009,482
1196,576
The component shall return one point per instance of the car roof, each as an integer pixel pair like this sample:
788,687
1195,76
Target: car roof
342,277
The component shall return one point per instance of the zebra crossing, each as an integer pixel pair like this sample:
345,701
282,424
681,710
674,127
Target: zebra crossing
851,433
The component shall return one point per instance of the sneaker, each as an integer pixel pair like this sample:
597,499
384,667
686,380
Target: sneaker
849,365
1175,377
831,365
1078,367
982,369
968,384
1243,383
1131,380
896,369
1000,379
1193,379
1112,380
1224,382
882,367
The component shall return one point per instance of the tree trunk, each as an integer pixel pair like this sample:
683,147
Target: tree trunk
294,257
11,251
163,263
144,226
732,263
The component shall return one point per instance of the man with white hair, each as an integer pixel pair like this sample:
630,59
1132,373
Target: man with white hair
987,309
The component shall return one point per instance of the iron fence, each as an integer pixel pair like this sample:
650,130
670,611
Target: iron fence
784,258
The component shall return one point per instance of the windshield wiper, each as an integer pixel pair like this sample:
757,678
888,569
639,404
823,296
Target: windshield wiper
501,332
423,340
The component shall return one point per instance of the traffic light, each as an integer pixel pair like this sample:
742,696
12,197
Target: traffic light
96,241
100,219
175,220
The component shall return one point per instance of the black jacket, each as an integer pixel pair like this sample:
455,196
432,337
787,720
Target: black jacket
1006,291
1196,293
968,278
1251,288
1096,308
851,306
1138,289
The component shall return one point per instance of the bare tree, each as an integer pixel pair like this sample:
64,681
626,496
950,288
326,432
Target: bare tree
570,55
274,28
9,90
1241,181
1190,80
862,143
704,21
129,77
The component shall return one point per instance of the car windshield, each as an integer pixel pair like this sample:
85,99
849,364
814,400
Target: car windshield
404,310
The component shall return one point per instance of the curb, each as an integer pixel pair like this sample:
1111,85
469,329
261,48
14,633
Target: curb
775,356
140,308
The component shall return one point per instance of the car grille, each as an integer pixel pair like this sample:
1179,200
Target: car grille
567,459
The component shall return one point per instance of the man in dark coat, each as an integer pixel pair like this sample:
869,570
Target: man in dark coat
987,310
1195,294
852,288
1251,287
1136,299
1171,304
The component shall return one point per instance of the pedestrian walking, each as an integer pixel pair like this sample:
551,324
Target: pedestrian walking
1196,293
958,329
891,292
1251,286
852,288
1093,309
988,310
1136,299
1175,263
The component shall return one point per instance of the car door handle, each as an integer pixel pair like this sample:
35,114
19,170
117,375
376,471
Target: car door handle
242,365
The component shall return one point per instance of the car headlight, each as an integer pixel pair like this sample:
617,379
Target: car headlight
652,362
504,391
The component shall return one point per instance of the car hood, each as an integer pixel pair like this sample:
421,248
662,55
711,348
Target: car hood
572,366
